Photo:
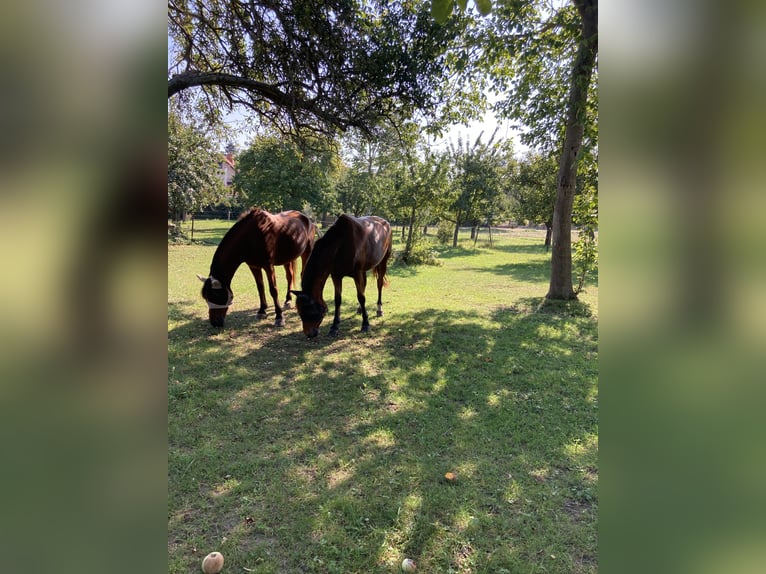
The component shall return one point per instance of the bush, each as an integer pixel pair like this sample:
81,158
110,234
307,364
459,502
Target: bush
421,253
445,232
176,234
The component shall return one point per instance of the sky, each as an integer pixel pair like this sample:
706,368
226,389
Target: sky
241,135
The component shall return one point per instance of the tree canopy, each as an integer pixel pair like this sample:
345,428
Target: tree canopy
193,181
277,174
317,66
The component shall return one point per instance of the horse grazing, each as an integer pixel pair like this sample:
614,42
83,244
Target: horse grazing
262,240
351,247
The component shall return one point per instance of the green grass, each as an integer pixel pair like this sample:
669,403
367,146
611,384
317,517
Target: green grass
292,455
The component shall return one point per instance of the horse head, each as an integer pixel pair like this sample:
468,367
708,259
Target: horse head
218,299
310,311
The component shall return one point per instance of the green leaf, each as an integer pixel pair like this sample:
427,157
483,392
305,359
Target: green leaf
441,9
462,4
484,6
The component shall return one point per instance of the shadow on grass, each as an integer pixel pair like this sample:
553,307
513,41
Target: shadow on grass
453,252
530,272
530,249
329,455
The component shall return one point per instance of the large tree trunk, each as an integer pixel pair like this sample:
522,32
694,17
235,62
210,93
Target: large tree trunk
582,70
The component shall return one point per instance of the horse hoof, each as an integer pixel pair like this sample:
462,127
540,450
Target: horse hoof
379,314
365,328
259,316
287,305
333,332
280,322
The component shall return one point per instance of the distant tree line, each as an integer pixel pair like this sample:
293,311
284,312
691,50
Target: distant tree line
370,71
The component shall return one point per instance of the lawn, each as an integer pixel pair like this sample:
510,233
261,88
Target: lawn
328,455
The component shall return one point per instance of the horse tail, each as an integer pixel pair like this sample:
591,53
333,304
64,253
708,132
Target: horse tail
382,267
375,273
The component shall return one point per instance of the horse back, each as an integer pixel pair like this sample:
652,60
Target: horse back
277,239
370,240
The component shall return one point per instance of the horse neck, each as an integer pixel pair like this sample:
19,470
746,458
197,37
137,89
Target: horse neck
230,254
319,266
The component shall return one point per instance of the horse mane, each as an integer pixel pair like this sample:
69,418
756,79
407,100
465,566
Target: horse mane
242,221
325,249
248,213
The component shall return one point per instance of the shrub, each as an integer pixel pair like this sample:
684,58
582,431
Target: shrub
444,232
421,253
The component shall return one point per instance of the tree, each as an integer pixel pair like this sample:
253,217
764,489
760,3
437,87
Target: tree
375,169
193,181
421,191
533,191
582,70
321,66
544,60
277,174
478,171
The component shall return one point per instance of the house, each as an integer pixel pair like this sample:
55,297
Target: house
227,169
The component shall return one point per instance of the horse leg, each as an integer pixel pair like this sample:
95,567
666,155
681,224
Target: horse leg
380,271
256,271
361,285
338,284
271,275
290,274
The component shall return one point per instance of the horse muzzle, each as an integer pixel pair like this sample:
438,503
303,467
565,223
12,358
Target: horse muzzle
311,331
216,317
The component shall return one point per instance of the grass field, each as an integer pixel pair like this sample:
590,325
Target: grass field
328,455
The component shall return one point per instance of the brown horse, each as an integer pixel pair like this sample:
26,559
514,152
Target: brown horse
349,248
261,240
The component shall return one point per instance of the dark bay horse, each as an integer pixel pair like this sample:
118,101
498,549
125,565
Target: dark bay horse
261,240
351,247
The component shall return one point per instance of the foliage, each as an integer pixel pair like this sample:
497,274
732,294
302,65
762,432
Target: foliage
374,166
479,176
585,216
277,174
533,188
422,192
420,252
321,66
442,9
445,231
193,166
529,50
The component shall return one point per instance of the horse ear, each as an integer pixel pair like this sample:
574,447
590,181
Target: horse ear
201,278
215,283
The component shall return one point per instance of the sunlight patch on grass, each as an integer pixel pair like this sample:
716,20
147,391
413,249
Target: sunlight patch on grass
340,476
513,492
466,471
397,538
496,398
380,438
224,488
579,446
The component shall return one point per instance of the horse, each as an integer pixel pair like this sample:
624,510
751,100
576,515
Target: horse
349,248
262,240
